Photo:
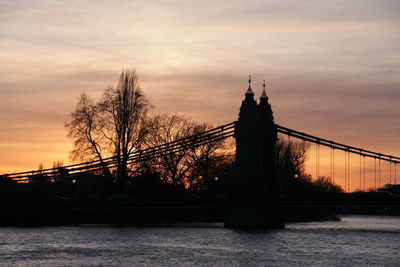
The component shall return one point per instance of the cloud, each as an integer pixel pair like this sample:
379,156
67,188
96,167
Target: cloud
331,70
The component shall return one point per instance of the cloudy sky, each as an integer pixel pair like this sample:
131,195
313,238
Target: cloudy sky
332,69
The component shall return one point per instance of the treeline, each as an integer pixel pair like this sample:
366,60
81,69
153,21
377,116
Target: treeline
296,185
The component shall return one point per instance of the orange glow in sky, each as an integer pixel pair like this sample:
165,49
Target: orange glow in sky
332,70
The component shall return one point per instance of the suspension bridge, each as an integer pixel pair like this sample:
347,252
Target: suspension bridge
256,134
223,132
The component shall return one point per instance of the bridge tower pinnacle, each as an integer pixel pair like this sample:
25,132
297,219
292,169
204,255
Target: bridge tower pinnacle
249,91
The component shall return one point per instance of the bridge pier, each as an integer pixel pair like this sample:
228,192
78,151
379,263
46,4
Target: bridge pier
255,217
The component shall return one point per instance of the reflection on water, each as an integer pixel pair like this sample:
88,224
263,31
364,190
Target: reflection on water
354,241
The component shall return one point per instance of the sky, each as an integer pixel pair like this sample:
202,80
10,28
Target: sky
332,68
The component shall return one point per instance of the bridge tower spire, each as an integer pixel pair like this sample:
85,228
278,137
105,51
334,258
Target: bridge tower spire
254,180
264,94
249,91
248,109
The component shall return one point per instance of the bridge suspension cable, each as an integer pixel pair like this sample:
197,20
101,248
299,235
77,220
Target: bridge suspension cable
190,142
348,151
336,145
214,135
333,161
360,172
375,173
345,170
379,172
317,160
364,172
348,171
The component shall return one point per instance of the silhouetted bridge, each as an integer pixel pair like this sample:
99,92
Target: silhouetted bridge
255,134
210,136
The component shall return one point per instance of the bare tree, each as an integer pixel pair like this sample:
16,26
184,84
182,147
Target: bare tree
58,164
40,168
205,159
123,111
325,184
85,128
290,158
188,163
112,126
166,128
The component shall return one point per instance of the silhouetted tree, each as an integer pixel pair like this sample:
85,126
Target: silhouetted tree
38,177
59,168
85,128
58,164
217,170
167,128
183,166
209,162
290,157
124,112
325,184
40,168
113,126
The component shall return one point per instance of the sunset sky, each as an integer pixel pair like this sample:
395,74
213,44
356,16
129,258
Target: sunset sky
332,69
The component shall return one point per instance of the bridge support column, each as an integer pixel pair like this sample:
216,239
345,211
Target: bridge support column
254,217
255,184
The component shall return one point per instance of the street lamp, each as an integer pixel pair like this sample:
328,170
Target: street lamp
216,178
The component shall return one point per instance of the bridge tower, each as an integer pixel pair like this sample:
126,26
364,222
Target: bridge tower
268,135
255,182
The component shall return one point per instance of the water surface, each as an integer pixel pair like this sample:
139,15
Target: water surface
354,241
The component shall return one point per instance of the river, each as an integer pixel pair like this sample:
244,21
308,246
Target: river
353,241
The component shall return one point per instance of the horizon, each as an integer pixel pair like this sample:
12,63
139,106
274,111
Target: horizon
331,71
